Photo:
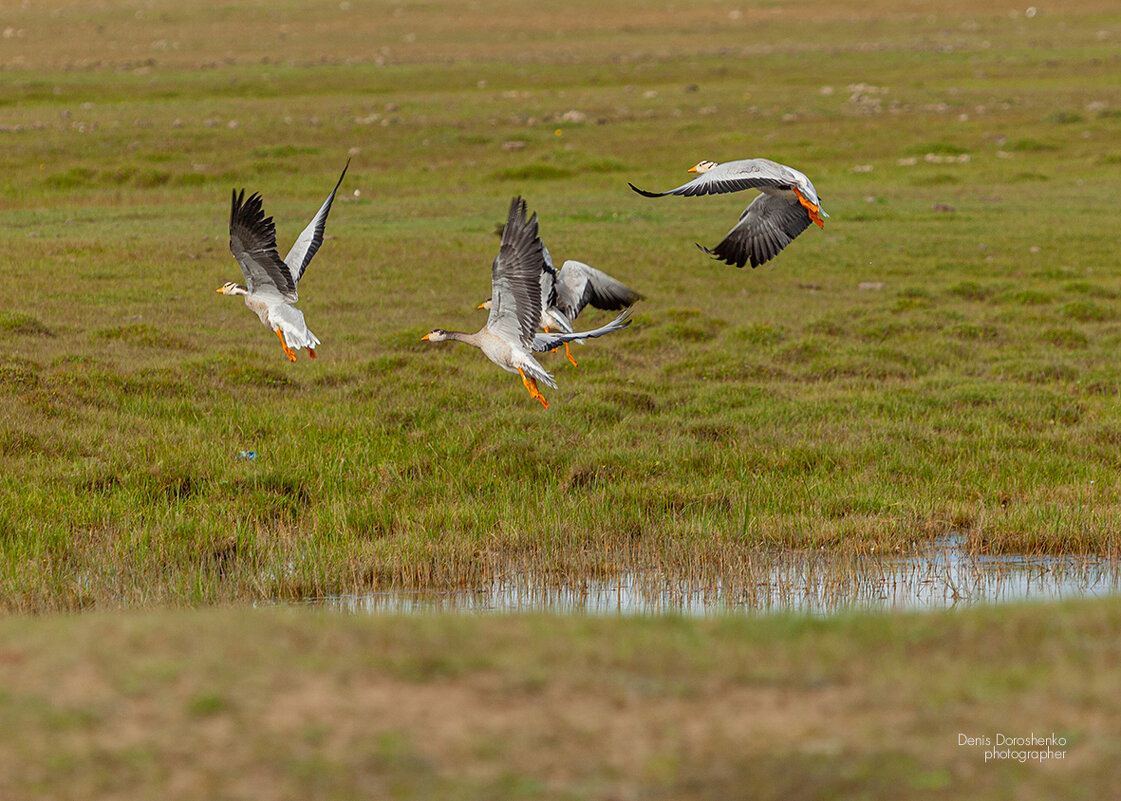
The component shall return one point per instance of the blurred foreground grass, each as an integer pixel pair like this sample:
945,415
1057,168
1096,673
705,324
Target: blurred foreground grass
297,704
942,357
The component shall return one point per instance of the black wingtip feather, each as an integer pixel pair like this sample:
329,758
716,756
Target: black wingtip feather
236,204
644,193
728,258
340,181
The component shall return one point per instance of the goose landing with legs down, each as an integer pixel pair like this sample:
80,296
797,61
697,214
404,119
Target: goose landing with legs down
510,338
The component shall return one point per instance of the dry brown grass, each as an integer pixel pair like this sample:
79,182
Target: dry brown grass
295,704
71,34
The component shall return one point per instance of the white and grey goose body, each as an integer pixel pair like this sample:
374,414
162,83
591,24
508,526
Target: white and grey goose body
271,283
786,207
510,338
567,291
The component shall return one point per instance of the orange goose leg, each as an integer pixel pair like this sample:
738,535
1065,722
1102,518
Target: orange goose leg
291,354
567,352
531,387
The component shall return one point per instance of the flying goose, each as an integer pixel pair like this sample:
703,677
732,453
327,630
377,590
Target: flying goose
786,207
270,289
565,293
510,336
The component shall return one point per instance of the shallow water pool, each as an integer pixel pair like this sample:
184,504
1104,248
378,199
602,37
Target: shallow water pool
943,575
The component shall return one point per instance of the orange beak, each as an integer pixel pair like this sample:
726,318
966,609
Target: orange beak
481,305
424,338
691,169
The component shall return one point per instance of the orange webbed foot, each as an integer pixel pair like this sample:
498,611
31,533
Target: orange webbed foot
568,353
531,387
311,353
291,354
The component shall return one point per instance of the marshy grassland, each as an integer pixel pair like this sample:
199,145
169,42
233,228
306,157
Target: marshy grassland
941,358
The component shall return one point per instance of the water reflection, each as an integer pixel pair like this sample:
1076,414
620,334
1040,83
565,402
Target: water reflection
944,575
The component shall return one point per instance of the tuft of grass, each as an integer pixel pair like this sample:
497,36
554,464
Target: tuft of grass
1066,338
937,148
285,151
144,335
22,324
972,290
19,443
19,373
1029,146
207,705
1064,117
253,375
1087,311
936,179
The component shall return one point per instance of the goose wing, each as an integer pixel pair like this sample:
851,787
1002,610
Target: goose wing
544,342
309,240
515,307
253,243
766,226
579,284
548,279
732,176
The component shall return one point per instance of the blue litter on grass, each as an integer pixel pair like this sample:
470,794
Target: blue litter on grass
247,455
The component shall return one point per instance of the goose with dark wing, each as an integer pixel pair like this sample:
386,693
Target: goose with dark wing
788,203
510,338
270,283
565,293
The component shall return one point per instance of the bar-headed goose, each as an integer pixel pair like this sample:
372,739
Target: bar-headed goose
786,207
270,284
510,336
565,293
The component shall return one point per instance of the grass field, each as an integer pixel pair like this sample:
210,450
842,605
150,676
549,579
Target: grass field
286,705
940,358
967,156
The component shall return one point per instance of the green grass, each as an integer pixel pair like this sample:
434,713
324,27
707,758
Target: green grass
301,704
975,391
783,407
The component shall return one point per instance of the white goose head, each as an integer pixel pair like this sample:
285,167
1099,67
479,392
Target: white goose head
230,288
435,335
702,166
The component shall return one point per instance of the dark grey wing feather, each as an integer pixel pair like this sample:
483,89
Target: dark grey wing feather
766,226
308,242
253,244
548,279
515,307
579,284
